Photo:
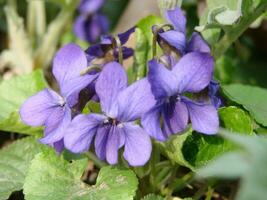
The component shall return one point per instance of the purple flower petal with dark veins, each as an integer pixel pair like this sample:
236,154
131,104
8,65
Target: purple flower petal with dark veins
90,6
175,117
54,120
151,123
108,87
213,90
177,19
39,107
68,63
138,146
113,144
163,81
59,131
121,105
101,141
204,117
193,72
175,39
135,100
84,127
197,44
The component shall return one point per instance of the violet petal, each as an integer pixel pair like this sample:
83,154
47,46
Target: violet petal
163,81
197,43
101,139
177,19
110,82
151,123
58,133
204,117
193,71
135,100
175,39
138,146
36,109
113,145
82,129
175,118
68,63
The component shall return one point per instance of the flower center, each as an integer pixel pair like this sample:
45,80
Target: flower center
174,98
113,122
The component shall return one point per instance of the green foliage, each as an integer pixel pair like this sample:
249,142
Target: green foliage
60,179
251,98
14,164
249,164
194,150
230,16
13,93
152,197
143,49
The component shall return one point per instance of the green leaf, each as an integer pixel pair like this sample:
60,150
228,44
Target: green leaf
152,197
230,165
143,49
236,120
146,24
194,150
13,93
15,161
141,54
252,98
51,177
249,163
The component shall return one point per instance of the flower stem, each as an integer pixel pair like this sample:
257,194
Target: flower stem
118,44
209,193
96,161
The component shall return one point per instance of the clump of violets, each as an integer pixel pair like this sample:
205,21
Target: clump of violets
184,71
91,24
178,90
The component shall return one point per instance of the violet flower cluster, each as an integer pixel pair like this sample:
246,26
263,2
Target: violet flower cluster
164,102
91,23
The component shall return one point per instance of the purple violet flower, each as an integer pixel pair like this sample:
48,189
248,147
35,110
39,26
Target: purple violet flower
174,41
108,48
52,110
115,128
213,90
191,74
90,24
176,38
